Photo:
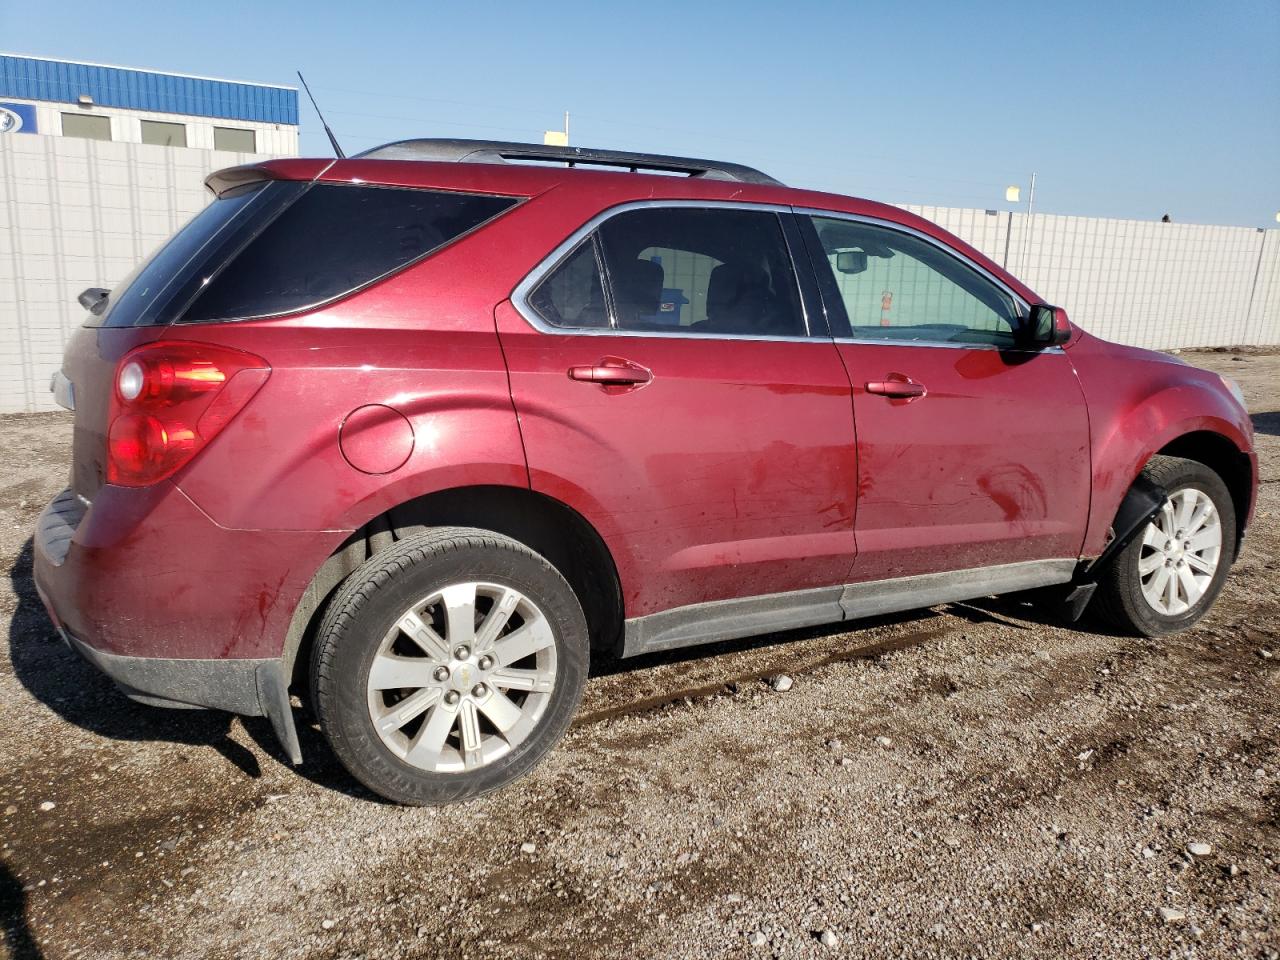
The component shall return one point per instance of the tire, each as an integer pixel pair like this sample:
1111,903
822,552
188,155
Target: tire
363,645
1121,600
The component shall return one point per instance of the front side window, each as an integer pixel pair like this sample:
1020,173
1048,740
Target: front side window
892,285
713,271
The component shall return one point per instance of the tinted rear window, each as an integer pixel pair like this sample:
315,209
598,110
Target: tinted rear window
161,286
333,240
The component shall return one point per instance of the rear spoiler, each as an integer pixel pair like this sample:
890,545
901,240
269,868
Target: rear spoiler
220,181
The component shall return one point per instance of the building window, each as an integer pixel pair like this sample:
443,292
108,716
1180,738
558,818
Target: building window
86,125
234,140
164,134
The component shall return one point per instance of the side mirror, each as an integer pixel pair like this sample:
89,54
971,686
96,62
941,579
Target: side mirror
94,300
1048,326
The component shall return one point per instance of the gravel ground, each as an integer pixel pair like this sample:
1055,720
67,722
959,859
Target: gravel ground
971,780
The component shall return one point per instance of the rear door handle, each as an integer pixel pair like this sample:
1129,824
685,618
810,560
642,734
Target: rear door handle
897,386
611,370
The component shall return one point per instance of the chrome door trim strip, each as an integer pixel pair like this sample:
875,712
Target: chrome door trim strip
874,341
520,295
750,616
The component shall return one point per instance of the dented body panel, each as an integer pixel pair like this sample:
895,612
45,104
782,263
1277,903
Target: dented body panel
1139,402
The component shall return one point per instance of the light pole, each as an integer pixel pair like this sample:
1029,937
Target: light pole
1012,194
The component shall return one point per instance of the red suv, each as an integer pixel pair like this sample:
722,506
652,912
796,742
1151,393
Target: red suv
421,432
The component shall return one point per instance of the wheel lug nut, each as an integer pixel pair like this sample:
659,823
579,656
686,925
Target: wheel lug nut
485,663
452,697
479,690
441,674
461,653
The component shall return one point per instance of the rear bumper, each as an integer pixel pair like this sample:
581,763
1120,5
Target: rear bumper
143,572
254,688
230,685
176,610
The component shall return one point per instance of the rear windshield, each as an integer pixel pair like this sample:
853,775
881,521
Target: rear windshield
279,247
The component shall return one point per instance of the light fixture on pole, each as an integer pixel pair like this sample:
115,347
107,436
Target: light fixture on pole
558,138
1013,194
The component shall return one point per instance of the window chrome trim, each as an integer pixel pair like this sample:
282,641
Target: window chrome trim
524,289
945,345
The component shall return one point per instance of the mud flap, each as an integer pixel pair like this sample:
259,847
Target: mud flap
1140,504
273,696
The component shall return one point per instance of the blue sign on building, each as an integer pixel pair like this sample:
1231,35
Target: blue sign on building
17,118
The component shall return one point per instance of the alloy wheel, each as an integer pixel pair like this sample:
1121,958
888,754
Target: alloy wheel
1181,549
463,677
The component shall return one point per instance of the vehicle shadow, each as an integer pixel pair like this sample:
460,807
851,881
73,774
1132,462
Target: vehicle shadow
18,940
1268,423
79,694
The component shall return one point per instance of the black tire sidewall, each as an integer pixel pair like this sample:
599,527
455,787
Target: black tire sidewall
370,606
1175,474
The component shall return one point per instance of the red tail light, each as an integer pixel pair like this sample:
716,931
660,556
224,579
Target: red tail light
169,400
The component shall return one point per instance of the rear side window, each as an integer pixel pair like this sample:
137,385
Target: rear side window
333,240
161,286
572,294
709,271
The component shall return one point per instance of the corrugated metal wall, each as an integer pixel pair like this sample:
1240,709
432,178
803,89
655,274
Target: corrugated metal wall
81,213
32,78
1149,284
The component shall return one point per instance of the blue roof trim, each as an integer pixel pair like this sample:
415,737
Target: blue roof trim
30,78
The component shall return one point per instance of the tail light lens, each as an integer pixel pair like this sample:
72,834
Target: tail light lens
169,400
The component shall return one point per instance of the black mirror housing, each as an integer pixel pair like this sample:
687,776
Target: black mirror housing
94,300
1048,326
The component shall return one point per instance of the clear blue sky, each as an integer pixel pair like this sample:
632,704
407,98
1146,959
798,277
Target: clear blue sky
1127,109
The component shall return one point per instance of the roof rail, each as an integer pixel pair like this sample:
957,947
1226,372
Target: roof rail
501,151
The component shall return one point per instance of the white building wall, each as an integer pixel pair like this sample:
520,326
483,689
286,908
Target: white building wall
1144,283
75,214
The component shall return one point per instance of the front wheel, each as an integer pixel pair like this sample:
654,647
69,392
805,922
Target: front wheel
1170,574
448,665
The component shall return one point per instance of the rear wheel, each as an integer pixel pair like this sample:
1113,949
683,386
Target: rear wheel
1168,577
448,665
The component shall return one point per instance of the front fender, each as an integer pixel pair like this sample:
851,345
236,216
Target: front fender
1139,405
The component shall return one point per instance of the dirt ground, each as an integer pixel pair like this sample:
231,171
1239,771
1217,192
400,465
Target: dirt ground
972,780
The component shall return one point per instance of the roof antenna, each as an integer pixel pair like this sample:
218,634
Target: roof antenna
332,139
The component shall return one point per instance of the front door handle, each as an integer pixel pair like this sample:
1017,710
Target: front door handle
897,386
611,371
